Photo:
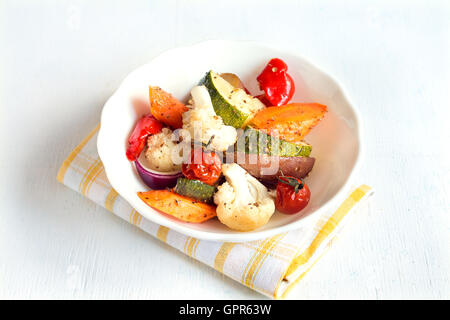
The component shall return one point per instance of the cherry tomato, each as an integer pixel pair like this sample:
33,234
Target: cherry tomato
292,195
204,166
277,84
146,126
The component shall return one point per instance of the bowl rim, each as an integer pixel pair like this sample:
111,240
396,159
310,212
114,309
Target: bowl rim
253,235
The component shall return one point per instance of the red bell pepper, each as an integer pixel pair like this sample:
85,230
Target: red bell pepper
146,126
277,84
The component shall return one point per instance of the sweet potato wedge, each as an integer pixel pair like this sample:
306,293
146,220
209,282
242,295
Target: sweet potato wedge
166,108
178,206
292,122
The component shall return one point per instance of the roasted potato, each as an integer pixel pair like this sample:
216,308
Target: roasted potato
268,168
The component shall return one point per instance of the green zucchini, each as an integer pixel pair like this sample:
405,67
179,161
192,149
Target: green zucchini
195,189
256,141
233,105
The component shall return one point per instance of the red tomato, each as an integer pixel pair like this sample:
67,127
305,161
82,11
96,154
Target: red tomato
203,166
292,195
146,126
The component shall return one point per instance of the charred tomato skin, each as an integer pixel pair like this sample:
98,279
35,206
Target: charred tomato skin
203,165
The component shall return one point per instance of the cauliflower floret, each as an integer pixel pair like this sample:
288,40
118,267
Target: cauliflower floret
204,125
243,203
160,152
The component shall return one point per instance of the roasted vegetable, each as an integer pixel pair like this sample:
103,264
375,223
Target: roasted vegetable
166,108
269,168
203,124
155,180
234,80
291,122
146,126
160,149
243,203
257,141
277,84
195,189
233,105
204,166
292,195
178,206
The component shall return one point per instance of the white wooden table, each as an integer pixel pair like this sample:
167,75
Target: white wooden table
60,61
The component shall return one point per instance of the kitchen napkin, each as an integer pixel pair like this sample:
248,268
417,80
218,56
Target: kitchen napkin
270,266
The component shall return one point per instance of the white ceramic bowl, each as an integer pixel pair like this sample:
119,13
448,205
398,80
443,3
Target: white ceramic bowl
336,140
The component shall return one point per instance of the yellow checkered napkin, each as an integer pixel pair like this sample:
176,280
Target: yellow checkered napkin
271,266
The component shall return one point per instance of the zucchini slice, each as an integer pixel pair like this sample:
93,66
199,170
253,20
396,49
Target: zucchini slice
256,141
195,189
233,105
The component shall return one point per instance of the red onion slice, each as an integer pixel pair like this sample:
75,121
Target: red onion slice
157,180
